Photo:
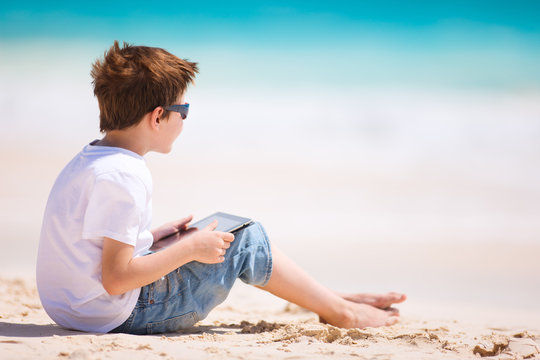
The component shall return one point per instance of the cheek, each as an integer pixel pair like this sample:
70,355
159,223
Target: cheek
178,129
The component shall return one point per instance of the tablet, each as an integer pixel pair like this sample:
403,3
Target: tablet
226,222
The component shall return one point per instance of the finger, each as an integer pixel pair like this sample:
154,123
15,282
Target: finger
221,259
182,223
228,237
187,219
212,226
226,245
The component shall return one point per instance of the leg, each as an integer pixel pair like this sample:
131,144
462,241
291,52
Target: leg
290,282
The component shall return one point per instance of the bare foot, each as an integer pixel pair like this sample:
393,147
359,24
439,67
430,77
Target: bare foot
363,315
381,301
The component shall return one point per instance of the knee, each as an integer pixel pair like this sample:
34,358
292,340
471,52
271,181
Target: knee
253,230
251,235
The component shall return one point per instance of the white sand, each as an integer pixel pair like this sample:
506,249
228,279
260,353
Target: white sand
461,251
251,325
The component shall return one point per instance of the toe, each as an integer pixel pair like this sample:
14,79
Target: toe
392,320
397,297
392,311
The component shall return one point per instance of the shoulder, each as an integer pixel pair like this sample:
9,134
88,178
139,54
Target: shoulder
117,165
100,169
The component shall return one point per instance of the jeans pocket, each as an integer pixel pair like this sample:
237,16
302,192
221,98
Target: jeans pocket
172,324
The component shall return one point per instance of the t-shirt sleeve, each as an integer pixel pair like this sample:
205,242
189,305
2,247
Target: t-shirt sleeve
115,208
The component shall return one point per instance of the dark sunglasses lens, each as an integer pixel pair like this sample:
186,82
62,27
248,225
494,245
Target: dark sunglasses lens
184,111
181,109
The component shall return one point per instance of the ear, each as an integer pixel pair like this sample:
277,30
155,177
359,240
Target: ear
156,117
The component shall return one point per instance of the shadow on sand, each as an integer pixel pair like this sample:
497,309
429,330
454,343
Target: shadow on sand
17,330
35,330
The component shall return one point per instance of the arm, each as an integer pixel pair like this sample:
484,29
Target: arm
121,272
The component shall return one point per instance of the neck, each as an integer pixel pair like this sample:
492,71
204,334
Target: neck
123,139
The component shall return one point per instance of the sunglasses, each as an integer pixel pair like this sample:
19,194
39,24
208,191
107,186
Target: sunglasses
182,109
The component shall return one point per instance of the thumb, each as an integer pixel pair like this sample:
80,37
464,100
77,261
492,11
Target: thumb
183,222
212,226
187,219
227,237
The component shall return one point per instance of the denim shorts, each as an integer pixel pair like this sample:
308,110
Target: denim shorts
186,295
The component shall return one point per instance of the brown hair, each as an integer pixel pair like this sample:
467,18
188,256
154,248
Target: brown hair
133,80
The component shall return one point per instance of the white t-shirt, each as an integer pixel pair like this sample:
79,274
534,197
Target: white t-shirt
102,192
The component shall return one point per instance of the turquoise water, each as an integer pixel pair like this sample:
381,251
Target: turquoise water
463,44
401,80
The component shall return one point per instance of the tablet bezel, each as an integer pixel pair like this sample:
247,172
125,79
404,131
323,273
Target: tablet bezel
240,222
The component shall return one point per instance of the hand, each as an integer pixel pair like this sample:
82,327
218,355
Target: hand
209,246
164,233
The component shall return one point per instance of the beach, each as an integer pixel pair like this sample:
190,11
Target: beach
466,299
384,146
252,325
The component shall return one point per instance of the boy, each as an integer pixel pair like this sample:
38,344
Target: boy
94,268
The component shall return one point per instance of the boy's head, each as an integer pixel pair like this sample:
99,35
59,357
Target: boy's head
131,81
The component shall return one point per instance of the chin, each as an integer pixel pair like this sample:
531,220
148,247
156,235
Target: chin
164,150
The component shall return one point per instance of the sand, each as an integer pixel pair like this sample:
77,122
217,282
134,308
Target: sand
465,252
253,325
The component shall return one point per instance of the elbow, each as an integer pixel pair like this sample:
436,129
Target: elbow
112,286
114,291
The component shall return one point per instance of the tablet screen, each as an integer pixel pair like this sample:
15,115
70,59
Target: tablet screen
226,222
